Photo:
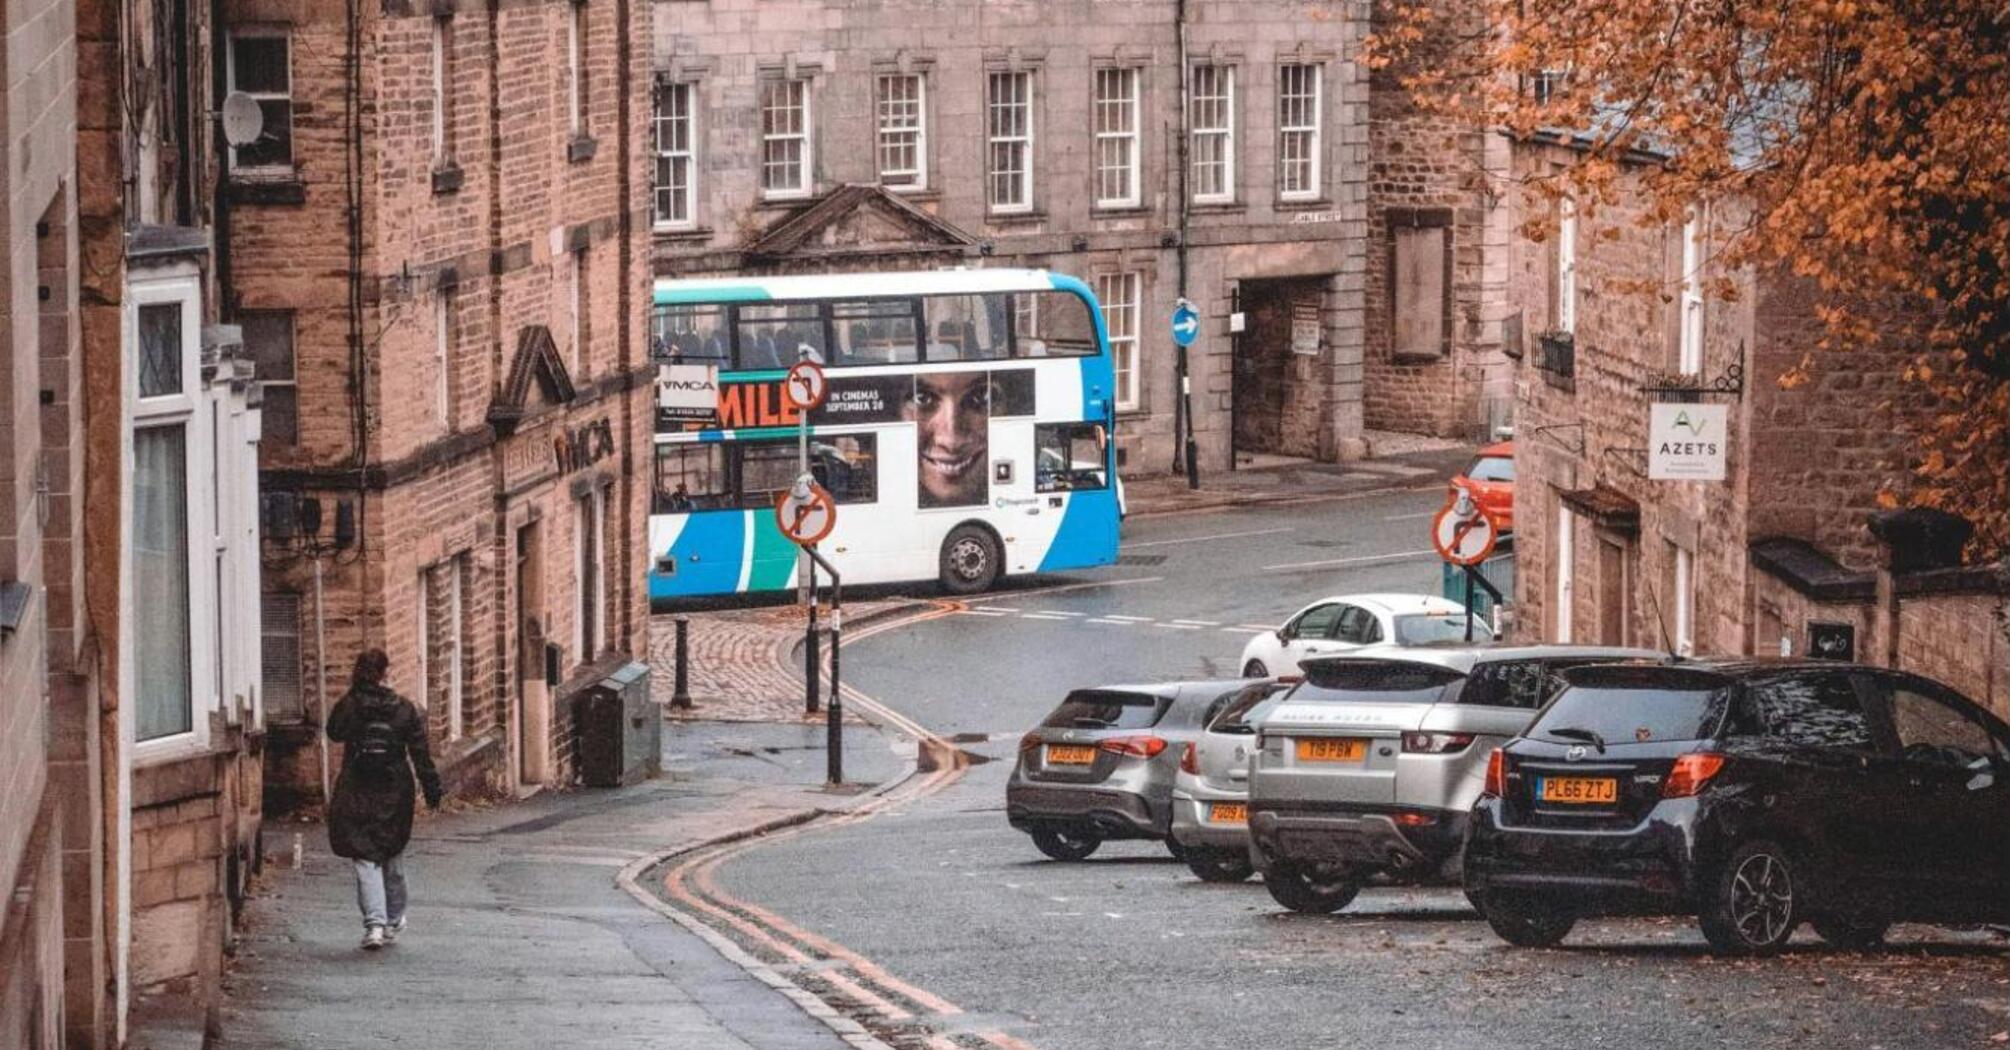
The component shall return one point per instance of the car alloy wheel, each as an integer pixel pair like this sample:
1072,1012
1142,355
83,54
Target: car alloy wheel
1752,908
1311,889
1065,845
1218,865
1255,669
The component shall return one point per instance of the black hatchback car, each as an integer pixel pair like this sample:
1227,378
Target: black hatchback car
1755,795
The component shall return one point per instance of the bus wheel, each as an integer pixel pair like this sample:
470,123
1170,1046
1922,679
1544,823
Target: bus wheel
970,560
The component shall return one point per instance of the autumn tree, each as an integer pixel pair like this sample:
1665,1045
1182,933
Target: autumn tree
1869,140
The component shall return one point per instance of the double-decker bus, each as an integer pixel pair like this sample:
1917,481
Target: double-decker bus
966,434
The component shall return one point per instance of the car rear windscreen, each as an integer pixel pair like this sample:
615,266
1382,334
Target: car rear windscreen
1426,628
1491,468
1608,714
1356,681
1243,710
1107,709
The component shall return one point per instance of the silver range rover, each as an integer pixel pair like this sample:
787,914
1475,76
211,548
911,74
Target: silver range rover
1371,765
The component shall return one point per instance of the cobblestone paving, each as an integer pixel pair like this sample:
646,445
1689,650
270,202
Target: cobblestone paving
745,666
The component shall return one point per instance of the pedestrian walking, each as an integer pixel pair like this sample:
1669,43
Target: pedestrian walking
370,819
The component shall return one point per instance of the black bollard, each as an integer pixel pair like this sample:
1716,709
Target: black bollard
681,696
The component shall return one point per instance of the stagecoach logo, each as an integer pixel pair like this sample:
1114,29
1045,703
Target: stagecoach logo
1576,753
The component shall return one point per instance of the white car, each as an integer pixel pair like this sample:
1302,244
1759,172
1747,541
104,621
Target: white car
1340,625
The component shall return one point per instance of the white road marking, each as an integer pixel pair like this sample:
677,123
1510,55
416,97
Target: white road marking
1058,612
1413,517
1200,623
1335,563
1113,914
1182,626
1259,626
1215,536
977,612
1130,619
1041,616
1111,622
996,609
1247,630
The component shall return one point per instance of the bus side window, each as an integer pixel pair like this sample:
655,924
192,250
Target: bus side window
767,471
847,466
1052,324
1068,457
772,334
874,332
684,334
966,327
690,477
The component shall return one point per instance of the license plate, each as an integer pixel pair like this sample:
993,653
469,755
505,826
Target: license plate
1228,813
1069,755
1338,749
1578,790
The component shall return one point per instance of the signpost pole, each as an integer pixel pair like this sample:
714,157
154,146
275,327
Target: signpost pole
834,711
1469,603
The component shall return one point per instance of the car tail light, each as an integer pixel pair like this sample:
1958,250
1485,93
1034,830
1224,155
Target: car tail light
1435,743
1134,746
1497,779
1189,760
1416,820
1691,774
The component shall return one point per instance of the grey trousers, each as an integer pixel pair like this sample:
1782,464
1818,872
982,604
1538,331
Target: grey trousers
380,891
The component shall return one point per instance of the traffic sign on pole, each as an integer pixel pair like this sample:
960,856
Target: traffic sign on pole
805,388
806,513
1463,535
1185,323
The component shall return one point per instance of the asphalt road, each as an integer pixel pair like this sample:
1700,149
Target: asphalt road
1128,950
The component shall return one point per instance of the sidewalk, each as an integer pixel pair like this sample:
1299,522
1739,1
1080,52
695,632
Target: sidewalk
520,937
746,665
1417,463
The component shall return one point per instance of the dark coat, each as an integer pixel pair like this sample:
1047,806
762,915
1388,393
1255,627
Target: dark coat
371,815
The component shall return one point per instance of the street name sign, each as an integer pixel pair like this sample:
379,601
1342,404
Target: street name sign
1687,442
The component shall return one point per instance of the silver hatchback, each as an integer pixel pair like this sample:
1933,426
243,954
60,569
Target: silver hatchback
1210,798
1101,765
1372,764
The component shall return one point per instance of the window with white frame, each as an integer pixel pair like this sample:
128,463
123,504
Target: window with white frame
443,86
901,103
589,516
676,156
575,65
443,641
1690,356
268,338
1565,554
258,64
443,355
1298,140
1566,265
582,360
785,138
1212,91
165,520
1116,138
1009,135
1119,294
279,651
1682,599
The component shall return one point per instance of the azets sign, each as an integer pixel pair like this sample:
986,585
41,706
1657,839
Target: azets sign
1687,442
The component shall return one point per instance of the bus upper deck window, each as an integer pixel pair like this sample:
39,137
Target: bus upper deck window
1052,324
683,334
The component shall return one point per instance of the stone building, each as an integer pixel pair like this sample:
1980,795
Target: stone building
1789,553
1320,251
438,260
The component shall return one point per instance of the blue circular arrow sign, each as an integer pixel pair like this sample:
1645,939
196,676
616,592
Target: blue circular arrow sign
1185,323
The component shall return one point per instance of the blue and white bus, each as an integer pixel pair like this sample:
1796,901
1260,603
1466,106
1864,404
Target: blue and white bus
966,434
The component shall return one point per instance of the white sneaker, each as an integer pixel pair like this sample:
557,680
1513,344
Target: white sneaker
392,931
373,938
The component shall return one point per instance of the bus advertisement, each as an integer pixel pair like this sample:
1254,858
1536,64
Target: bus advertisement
966,435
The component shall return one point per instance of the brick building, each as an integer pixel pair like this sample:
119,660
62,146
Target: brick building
1787,554
1345,233
438,259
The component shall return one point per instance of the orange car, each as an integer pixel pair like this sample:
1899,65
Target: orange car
1490,478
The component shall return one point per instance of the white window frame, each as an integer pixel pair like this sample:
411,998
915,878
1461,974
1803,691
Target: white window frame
1119,294
442,84
1313,139
1224,131
1019,140
1684,600
590,512
247,32
914,124
687,194
582,361
425,606
800,87
1565,571
1566,265
172,410
1109,134
443,347
575,65
1689,359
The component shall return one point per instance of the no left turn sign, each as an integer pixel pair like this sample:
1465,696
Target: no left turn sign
805,387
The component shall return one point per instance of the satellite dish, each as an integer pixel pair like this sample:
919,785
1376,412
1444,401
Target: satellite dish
243,120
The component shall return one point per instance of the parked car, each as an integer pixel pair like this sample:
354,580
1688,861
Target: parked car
1371,765
1344,623
1101,765
1754,795
1490,478
1210,795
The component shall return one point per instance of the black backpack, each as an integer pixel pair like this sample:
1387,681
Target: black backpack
377,748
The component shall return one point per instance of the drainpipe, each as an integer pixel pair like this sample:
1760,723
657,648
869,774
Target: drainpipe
1184,451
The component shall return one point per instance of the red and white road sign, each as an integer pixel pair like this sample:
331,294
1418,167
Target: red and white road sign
809,519
1463,539
805,388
